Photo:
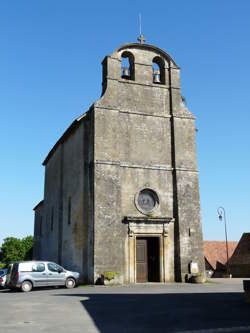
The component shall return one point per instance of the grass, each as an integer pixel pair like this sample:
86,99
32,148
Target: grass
212,282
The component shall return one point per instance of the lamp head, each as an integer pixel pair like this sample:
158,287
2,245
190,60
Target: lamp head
220,211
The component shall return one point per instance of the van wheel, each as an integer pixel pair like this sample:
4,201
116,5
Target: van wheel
26,286
70,283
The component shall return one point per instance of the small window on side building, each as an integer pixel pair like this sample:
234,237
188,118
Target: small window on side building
52,219
40,226
69,211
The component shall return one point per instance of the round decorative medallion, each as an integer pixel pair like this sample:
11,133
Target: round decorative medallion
146,201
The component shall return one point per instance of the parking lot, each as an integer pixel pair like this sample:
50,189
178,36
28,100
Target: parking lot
212,307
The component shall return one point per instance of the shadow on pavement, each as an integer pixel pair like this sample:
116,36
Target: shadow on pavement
165,312
18,290
5,290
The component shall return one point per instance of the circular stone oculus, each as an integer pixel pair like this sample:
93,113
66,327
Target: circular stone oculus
147,200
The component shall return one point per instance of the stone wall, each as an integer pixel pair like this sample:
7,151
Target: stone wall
144,137
69,194
52,201
38,219
138,135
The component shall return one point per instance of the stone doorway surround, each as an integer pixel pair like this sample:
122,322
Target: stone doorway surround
146,226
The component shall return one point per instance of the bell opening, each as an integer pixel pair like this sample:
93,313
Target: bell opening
158,71
125,73
156,76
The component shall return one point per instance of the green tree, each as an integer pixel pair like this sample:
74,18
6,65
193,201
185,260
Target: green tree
15,249
28,247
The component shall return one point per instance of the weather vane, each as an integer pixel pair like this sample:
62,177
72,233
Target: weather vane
140,39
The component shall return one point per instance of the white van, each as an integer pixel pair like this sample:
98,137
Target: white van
29,274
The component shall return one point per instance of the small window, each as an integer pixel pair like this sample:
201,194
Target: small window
39,267
127,66
158,70
54,267
69,210
40,226
52,219
47,223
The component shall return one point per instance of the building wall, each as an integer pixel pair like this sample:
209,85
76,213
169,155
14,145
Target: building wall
240,270
144,137
37,230
138,135
239,263
52,202
67,179
76,231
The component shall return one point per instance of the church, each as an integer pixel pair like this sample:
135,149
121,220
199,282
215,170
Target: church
121,190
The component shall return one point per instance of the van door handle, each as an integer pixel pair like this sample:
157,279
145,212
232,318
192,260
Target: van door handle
50,273
44,273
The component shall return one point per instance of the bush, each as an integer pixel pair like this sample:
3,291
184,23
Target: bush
110,275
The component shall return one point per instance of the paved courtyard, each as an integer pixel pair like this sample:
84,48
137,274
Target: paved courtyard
212,307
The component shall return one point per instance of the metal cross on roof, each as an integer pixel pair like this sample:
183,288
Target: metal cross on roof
140,39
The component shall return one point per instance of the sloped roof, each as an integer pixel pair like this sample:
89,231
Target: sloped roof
242,252
69,130
38,205
215,251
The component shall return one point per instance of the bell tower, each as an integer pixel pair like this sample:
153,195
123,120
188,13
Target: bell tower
145,172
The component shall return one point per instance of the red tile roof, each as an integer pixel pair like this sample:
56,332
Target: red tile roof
215,251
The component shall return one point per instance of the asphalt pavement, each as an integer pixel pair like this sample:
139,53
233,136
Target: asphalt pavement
209,308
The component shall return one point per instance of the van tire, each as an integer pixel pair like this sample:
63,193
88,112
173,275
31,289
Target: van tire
26,286
70,283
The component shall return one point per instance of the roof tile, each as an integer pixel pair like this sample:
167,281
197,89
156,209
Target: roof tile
215,251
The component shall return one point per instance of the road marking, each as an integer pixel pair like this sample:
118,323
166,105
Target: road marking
220,330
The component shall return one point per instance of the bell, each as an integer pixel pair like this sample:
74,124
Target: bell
125,72
156,76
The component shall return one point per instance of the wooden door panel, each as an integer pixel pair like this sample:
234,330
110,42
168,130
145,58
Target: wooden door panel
141,260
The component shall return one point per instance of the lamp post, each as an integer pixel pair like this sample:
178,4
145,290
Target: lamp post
222,213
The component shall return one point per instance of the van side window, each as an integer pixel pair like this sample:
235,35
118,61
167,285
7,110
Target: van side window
53,267
40,267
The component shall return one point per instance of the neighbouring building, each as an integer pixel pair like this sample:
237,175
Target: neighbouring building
240,261
121,187
216,256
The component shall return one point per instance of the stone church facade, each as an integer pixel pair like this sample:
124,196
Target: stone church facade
121,187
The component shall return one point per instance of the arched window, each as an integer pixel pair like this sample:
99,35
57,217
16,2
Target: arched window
158,70
127,69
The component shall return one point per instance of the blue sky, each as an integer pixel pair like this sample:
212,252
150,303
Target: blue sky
50,73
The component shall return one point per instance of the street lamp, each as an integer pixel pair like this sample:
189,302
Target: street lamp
222,213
